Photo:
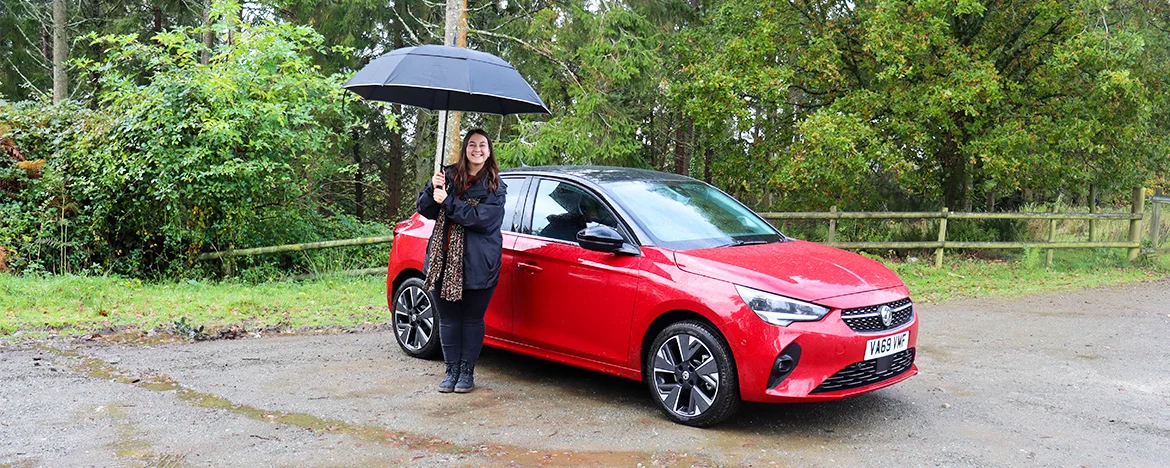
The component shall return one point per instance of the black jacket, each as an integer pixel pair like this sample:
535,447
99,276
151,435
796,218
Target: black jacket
484,243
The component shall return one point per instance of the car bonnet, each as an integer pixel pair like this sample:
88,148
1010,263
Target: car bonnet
796,269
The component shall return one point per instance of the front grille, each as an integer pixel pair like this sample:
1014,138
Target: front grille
867,373
869,319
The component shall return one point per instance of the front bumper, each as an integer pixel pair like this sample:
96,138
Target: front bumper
831,360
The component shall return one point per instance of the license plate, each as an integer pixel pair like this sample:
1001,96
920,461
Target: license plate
886,346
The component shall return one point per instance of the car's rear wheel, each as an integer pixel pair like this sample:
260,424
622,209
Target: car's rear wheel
692,375
416,325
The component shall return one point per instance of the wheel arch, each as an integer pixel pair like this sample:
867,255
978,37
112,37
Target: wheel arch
664,320
403,275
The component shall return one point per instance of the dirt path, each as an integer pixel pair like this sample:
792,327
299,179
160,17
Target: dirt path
1060,379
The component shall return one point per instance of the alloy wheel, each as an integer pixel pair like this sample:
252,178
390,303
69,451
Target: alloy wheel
414,318
686,375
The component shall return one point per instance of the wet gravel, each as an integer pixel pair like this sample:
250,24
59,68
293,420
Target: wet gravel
1070,379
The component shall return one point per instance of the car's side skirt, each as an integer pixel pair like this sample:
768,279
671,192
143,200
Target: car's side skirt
562,358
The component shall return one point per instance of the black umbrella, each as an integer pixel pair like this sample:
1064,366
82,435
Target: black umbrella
447,78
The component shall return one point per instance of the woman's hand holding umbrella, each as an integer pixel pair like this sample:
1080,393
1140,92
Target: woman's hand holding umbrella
440,193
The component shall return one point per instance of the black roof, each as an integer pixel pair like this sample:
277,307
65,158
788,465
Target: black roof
599,174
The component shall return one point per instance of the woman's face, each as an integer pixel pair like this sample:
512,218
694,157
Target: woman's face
477,150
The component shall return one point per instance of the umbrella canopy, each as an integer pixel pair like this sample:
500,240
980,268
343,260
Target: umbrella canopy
447,78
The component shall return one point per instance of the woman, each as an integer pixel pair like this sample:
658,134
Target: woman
466,201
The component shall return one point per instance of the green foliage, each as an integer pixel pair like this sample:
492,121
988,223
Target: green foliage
184,328
945,98
182,157
794,105
613,90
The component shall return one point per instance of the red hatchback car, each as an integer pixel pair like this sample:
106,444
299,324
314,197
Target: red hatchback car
665,279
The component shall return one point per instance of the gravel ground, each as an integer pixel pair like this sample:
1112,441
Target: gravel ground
1071,379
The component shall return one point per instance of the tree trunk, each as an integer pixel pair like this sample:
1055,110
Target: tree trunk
392,171
47,43
231,32
708,152
158,19
393,177
208,34
956,177
682,138
650,136
60,52
92,15
359,193
454,34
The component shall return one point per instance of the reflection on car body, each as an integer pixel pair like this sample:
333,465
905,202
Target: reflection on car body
665,279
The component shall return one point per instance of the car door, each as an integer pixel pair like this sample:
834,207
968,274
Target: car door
498,319
566,298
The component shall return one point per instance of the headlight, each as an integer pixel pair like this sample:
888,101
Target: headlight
779,310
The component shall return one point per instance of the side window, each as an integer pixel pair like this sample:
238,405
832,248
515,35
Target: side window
561,209
516,191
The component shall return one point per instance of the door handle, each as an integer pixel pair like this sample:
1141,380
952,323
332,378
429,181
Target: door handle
529,267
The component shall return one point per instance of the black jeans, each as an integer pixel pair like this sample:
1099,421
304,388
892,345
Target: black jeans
461,325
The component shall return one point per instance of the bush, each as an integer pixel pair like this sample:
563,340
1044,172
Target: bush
178,157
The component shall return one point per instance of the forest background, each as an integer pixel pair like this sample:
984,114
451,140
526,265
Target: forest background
187,126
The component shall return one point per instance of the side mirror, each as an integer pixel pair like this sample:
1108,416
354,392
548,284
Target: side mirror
600,238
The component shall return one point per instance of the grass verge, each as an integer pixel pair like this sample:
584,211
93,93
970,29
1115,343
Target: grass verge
36,307
1025,274
76,305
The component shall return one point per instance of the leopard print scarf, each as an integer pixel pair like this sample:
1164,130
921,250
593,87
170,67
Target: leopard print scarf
446,258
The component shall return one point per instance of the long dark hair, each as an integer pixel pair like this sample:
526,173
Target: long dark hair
461,170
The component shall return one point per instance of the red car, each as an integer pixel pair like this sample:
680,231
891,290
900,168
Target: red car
665,279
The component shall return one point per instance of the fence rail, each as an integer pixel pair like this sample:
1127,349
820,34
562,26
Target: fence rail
1134,217
1133,245
1156,223
226,254
296,247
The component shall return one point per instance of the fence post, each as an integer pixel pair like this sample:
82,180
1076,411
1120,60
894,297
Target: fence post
942,238
1156,222
1093,210
832,225
1051,239
1135,225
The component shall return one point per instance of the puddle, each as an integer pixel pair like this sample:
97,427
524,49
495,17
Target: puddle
495,453
129,443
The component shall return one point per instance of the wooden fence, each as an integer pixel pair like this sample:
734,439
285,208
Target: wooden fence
225,256
1156,223
1133,245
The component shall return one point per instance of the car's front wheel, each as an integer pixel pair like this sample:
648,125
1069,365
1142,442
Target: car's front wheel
416,325
692,375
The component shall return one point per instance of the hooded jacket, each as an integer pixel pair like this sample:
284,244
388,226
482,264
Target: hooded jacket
483,246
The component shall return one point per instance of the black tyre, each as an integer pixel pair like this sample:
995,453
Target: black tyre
415,321
691,374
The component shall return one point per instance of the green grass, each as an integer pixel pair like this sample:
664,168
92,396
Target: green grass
75,305
1025,274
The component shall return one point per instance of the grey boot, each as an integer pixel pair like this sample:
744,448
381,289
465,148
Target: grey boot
452,376
466,381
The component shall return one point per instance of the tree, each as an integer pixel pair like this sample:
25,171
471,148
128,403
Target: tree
179,157
601,83
60,51
926,98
